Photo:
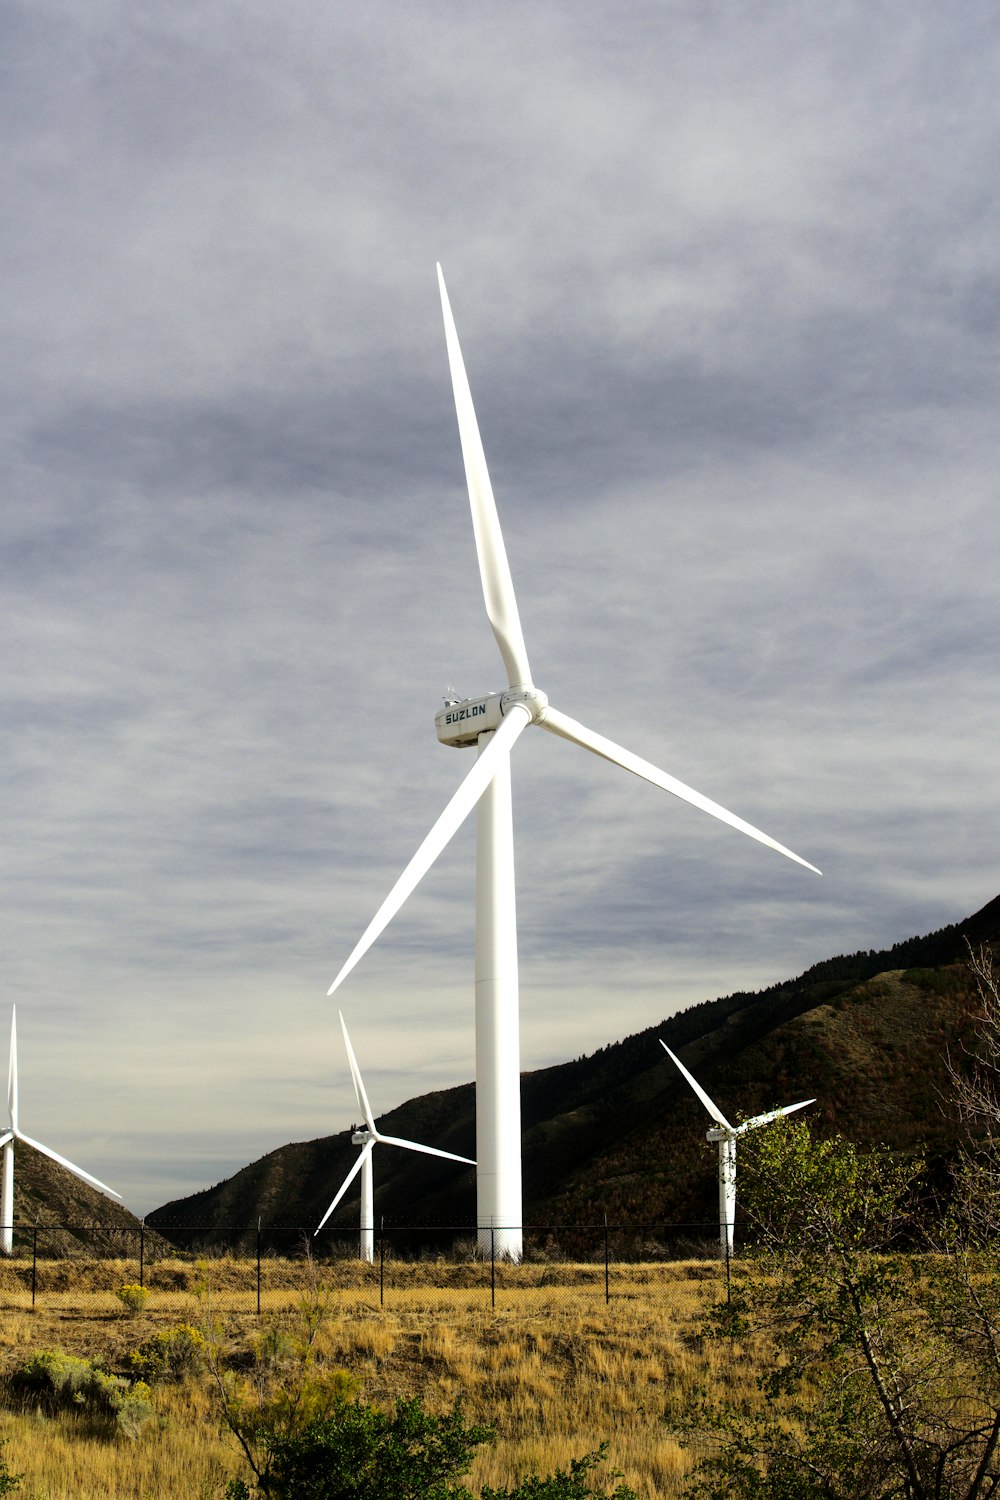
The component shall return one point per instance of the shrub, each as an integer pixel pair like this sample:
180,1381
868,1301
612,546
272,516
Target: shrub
56,1382
133,1298
8,1482
882,1372
359,1452
564,1485
169,1356
261,1422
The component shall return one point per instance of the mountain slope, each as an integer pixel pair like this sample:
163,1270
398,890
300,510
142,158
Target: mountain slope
71,1216
620,1132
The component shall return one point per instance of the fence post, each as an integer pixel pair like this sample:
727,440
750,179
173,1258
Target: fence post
34,1263
258,1267
142,1251
381,1261
607,1289
493,1268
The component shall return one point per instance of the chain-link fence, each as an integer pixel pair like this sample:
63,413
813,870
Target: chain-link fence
266,1268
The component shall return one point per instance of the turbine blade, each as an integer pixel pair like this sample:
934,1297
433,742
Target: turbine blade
12,1071
772,1114
359,1085
394,1140
569,729
365,1151
709,1104
468,794
498,589
8,1135
63,1162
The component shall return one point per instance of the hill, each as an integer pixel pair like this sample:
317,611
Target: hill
73,1218
619,1131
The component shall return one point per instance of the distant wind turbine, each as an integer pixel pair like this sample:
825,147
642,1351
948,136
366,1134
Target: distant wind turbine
493,723
368,1139
727,1136
15,1133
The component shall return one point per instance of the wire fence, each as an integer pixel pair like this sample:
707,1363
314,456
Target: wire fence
257,1269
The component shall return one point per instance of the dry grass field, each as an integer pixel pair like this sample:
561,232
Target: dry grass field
552,1366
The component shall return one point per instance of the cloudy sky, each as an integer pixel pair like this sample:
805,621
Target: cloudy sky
727,285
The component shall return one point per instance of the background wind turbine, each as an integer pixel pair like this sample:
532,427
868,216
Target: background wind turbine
15,1133
493,724
727,1136
368,1139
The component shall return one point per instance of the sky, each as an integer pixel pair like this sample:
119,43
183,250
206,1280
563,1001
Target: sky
727,286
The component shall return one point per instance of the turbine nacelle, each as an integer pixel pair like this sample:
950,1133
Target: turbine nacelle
463,720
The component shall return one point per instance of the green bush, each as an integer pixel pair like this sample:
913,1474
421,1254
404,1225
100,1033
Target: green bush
362,1451
359,1452
563,1485
8,1482
881,1375
171,1355
55,1382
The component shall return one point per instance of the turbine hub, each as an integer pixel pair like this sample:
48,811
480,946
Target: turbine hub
533,699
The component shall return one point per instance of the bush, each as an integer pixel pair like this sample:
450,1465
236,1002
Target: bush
8,1482
133,1298
362,1451
170,1355
881,1365
359,1452
55,1382
561,1485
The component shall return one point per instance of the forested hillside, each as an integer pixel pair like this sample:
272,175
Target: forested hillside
619,1131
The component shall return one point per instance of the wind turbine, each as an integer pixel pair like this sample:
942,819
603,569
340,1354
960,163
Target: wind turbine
368,1139
15,1133
493,723
727,1135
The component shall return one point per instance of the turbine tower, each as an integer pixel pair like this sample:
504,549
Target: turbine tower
727,1135
368,1139
15,1133
492,723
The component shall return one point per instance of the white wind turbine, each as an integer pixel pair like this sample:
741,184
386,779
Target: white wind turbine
368,1139
492,723
15,1133
727,1135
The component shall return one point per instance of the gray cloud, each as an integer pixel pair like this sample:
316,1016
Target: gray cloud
727,291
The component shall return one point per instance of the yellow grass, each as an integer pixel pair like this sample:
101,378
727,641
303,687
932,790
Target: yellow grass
552,1367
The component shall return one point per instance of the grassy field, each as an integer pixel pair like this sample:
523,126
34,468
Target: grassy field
553,1367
